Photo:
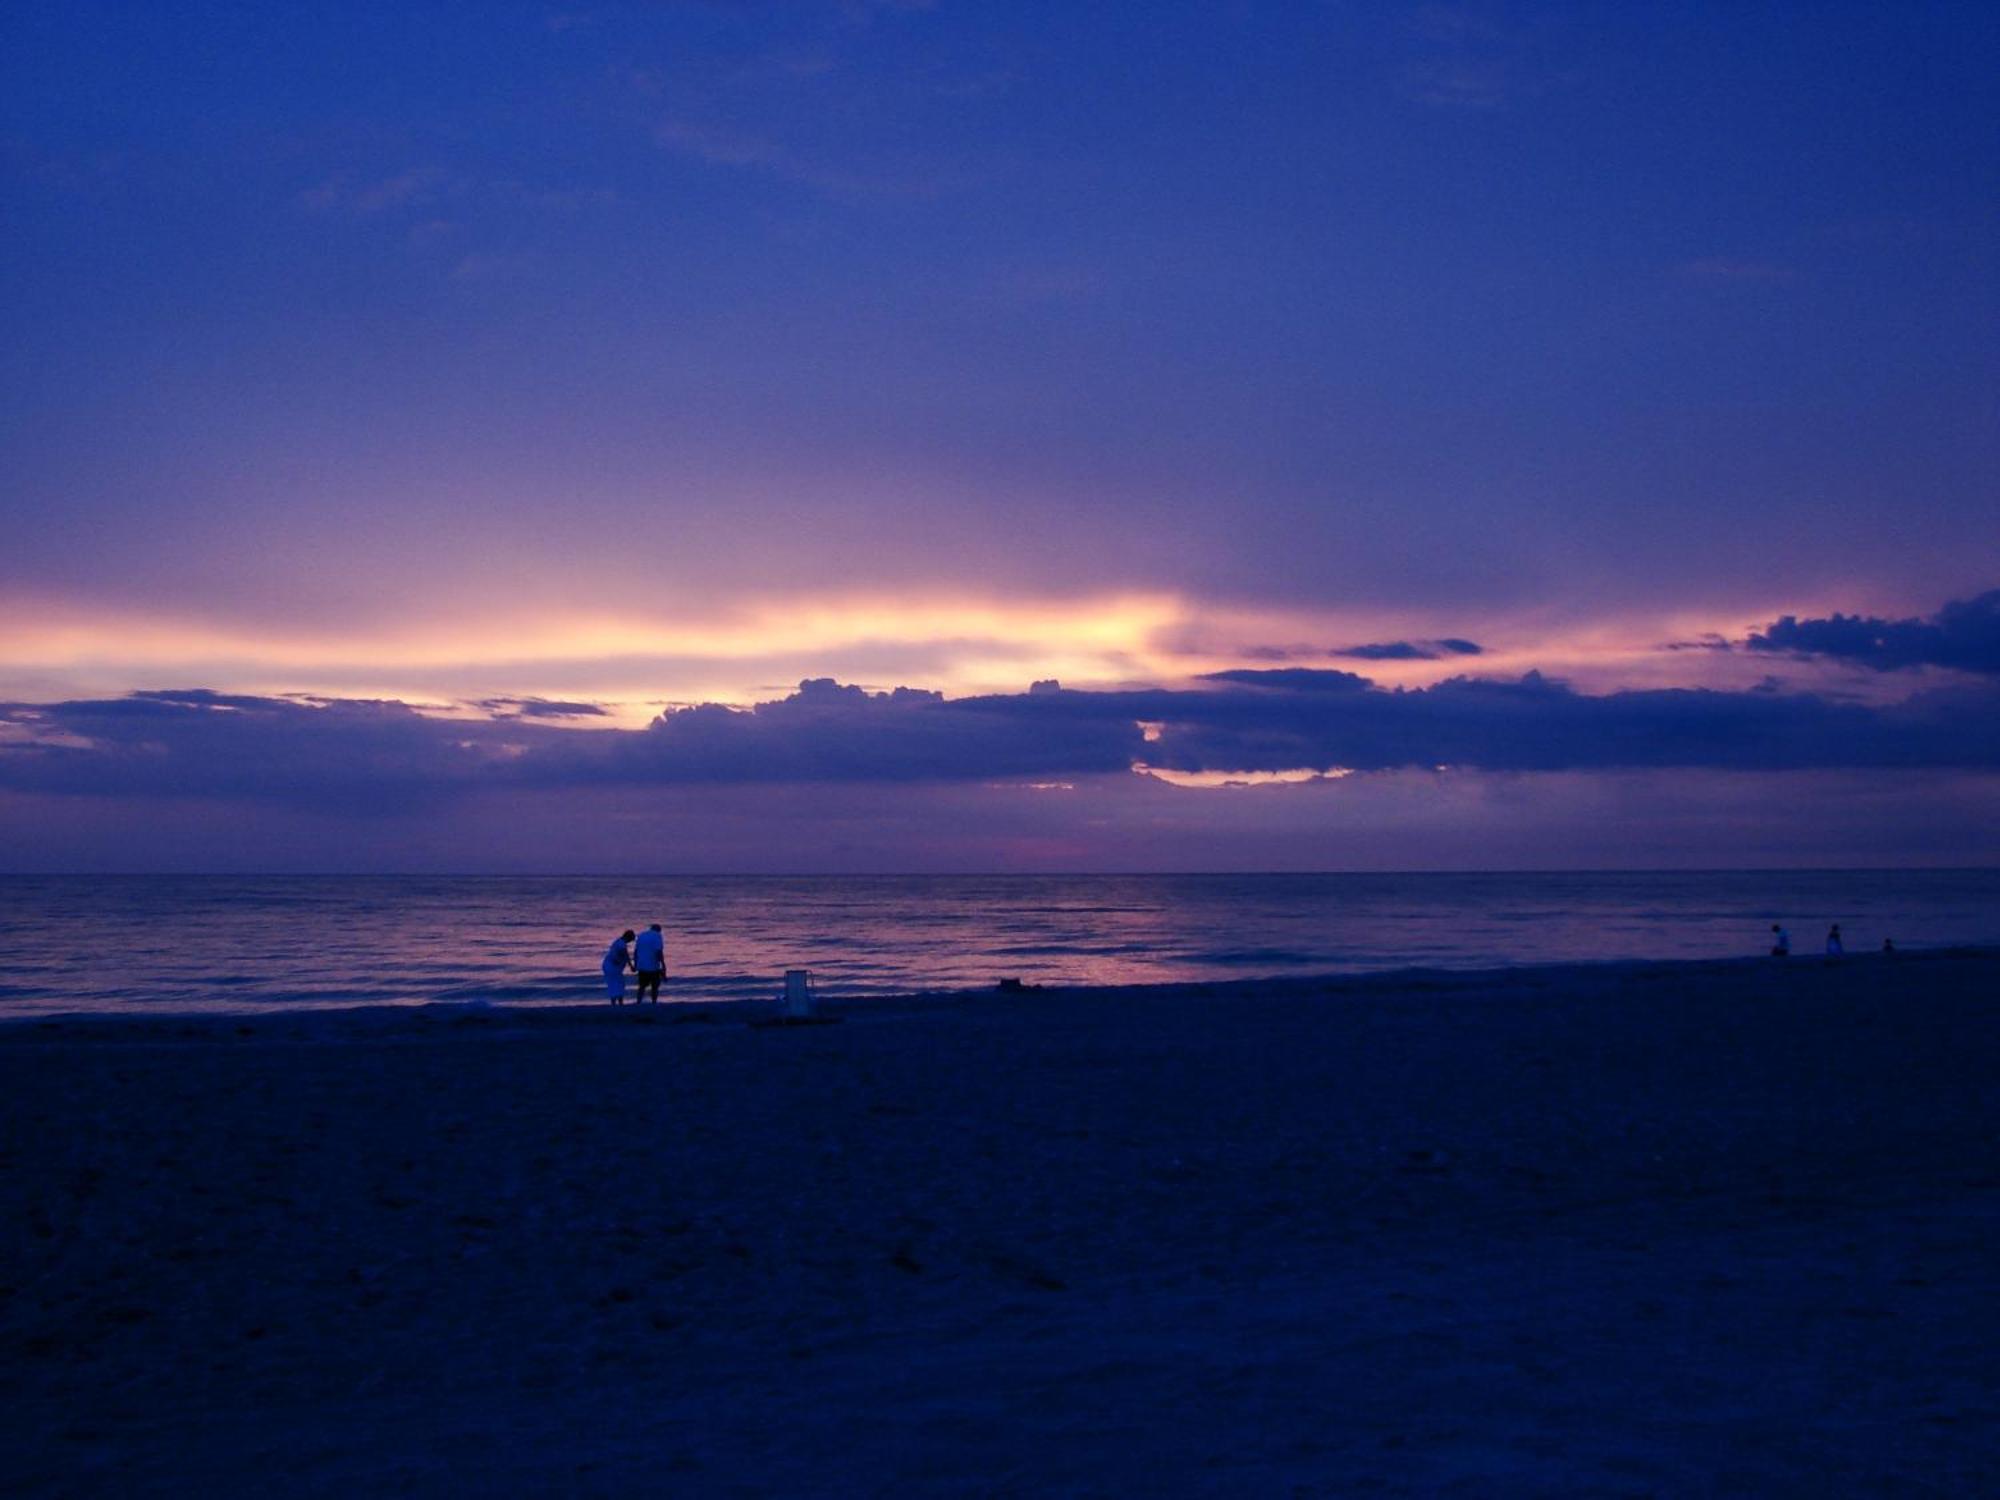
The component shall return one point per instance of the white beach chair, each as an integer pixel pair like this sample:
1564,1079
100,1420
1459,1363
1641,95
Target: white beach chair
796,1004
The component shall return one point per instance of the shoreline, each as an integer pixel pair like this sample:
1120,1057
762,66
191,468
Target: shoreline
1340,984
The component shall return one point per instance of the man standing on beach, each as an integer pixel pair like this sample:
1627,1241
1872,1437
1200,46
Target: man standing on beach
617,959
649,958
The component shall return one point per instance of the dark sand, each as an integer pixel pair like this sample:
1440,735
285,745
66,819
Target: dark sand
1668,1230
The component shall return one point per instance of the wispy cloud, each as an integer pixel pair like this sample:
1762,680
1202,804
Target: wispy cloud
348,193
1438,650
473,228
1461,57
1708,641
1443,649
719,146
426,189
540,708
724,148
1725,268
494,265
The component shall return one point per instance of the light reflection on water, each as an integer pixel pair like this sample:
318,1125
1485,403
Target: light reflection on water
188,942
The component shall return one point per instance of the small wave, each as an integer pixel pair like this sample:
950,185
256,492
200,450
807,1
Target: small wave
1244,957
1087,950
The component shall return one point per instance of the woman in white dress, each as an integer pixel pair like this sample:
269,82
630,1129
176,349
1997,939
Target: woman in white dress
617,959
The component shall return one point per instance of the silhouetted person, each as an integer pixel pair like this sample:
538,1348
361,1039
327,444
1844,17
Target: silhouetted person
1833,947
649,958
1888,945
1781,942
617,959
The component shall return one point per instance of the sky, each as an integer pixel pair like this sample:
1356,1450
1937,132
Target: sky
885,435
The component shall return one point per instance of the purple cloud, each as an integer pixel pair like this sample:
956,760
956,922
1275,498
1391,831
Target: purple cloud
385,756
1964,636
1411,650
1538,724
539,708
1437,650
830,732
349,754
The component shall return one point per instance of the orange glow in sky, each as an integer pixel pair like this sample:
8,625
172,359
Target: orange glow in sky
636,664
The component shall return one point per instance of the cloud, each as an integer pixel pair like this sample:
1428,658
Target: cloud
1963,636
1291,679
374,756
830,732
539,708
493,265
1410,650
346,194
1707,641
719,146
723,148
348,754
427,189
1538,724
1461,58
1437,650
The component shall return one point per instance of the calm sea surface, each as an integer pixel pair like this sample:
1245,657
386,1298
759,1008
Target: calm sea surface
75,943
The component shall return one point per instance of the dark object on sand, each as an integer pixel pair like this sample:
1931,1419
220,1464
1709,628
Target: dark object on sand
1888,945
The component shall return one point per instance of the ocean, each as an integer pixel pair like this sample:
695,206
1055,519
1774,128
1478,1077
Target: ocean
206,943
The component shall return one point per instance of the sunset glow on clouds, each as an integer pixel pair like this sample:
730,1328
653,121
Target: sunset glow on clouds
717,657
486,467
635,664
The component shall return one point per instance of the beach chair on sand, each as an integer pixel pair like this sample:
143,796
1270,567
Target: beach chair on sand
798,1005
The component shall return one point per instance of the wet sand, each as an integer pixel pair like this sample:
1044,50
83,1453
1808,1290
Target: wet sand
1620,1230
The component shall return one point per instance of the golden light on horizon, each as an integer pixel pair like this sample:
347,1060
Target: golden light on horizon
1212,780
635,666
1079,628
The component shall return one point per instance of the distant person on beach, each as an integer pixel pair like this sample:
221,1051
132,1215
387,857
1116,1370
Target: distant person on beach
1833,947
649,959
1781,942
617,959
1888,945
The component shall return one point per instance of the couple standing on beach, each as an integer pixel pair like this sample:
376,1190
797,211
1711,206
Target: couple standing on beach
645,956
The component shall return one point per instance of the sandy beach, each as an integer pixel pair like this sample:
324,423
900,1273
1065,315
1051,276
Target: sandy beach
1698,1229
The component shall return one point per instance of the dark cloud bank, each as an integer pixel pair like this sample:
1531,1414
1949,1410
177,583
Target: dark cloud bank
367,756
1964,636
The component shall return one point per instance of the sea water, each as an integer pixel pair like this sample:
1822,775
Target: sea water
97,943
